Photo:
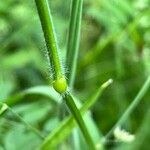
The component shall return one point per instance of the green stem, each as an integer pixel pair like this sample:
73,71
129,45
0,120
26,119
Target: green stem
65,127
132,106
77,115
73,39
59,84
49,34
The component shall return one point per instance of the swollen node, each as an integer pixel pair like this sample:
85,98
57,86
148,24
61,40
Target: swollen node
60,85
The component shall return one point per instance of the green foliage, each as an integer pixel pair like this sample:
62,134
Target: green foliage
73,39
66,126
59,81
114,43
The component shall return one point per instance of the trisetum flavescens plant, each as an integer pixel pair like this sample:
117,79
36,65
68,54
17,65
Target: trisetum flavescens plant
59,79
61,82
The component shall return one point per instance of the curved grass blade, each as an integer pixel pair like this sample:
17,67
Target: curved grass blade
37,90
141,137
132,106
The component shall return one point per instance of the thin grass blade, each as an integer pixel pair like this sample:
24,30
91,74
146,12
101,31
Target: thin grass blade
5,107
73,39
132,106
65,128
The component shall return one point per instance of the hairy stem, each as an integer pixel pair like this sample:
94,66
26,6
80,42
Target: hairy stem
49,35
59,84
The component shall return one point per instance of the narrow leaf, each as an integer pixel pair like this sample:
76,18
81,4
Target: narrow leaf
65,128
132,106
73,39
46,91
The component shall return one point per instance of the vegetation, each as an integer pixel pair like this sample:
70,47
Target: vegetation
74,74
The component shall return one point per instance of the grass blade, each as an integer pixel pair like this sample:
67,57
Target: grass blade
65,128
45,91
132,106
142,135
5,107
73,39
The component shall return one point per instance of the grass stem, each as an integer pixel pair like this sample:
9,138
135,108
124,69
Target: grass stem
49,35
78,117
59,84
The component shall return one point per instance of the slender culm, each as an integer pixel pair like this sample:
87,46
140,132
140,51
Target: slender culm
77,115
73,40
58,59
59,83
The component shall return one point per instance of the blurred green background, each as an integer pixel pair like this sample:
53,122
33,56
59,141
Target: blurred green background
115,43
